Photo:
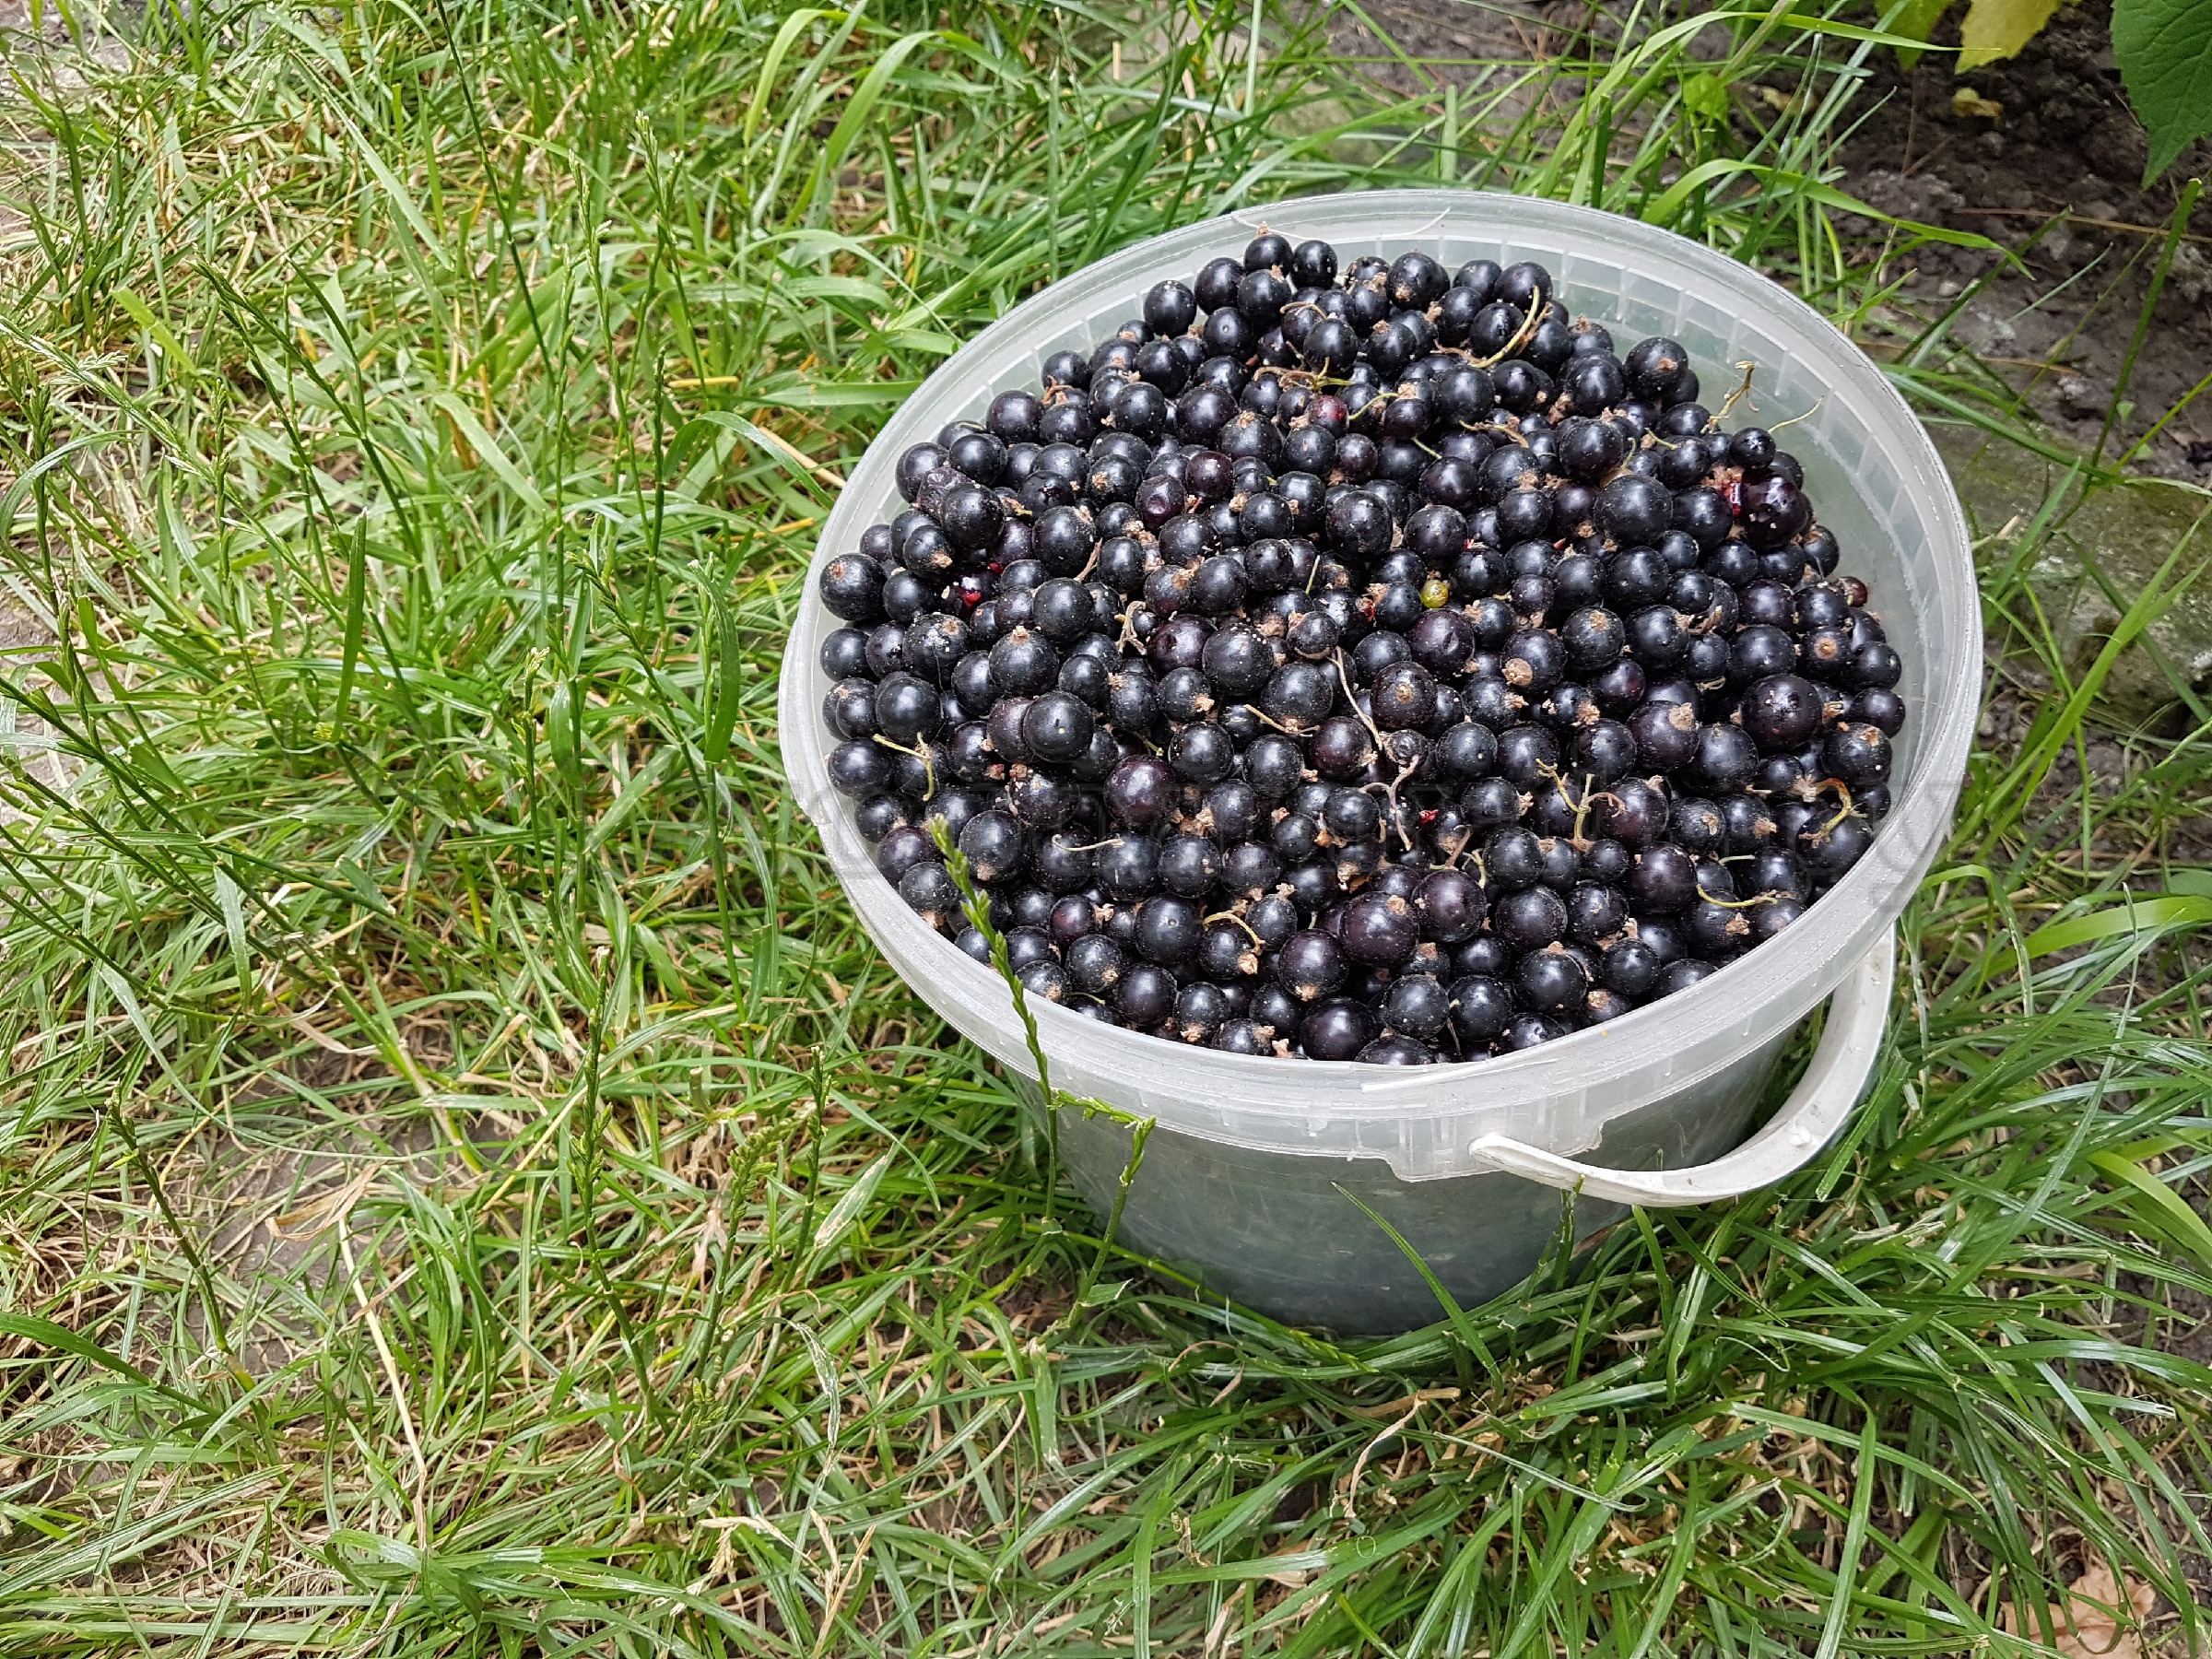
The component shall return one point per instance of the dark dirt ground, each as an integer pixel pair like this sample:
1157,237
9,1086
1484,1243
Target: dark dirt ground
2066,152
2063,147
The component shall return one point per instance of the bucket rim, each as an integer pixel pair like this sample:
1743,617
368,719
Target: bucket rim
1351,1089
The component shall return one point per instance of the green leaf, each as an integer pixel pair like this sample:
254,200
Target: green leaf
1462,1326
232,899
1998,29
2162,1204
642,782
728,684
1917,20
489,450
560,732
45,1330
864,394
2164,51
856,113
849,1203
157,331
2143,915
349,654
794,26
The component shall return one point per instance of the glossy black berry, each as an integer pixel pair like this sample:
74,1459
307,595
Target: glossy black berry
1337,1030
1141,792
1630,969
1309,965
1528,1031
1596,912
1550,981
1771,509
852,587
1145,995
995,846
1043,800
1394,1048
1449,906
1663,881
1636,510
929,889
1057,727
859,769
1781,712
1876,666
1167,929
1529,919
1604,751
1418,1005
1882,709
1725,759
1379,932
1857,754
1655,369
1023,665
1169,308
877,815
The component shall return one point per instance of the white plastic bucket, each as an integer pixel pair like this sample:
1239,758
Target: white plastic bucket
1244,1182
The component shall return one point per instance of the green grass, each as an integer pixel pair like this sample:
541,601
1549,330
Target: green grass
468,1187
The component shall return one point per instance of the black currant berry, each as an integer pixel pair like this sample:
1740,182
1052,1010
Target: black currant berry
1550,981
1309,965
1529,919
1857,754
1663,881
1337,1030
1418,1005
1057,727
1379,932
1554,719
852,587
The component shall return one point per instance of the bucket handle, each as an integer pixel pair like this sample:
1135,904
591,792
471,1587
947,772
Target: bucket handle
1815,1111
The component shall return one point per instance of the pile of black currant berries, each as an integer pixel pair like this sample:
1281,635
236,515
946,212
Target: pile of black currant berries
1360,665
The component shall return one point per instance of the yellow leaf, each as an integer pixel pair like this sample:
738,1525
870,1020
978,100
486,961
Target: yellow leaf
1998,29
1966,103
1706,94
2087,1625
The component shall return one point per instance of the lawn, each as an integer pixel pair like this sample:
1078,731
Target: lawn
466,1186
